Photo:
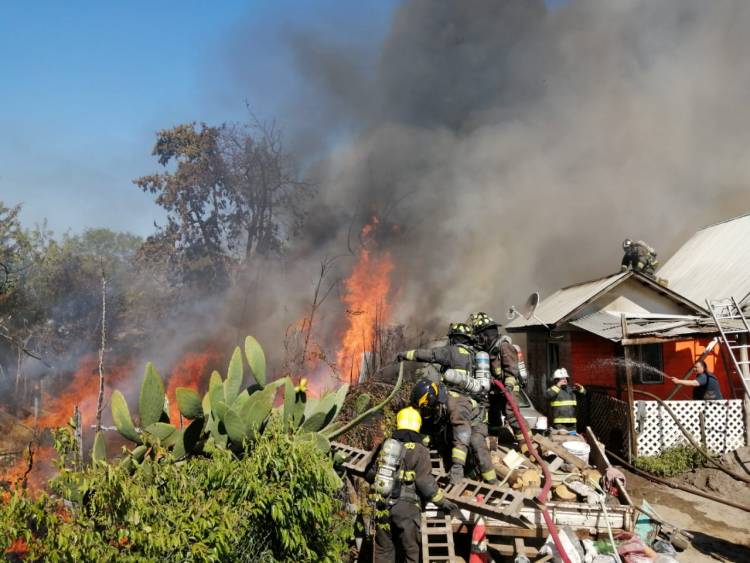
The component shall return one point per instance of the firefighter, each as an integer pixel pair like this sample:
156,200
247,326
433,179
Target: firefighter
638,256
408,471
562,398
504,365
442,407
467,416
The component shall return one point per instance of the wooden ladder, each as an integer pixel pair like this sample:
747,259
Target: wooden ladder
437,538
498,503
355,460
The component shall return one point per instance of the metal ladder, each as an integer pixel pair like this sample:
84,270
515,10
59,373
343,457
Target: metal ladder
732,325
437,539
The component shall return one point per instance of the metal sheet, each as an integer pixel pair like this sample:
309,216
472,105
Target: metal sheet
566,300
713,264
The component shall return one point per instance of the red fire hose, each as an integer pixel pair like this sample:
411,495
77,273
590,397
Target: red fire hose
542,496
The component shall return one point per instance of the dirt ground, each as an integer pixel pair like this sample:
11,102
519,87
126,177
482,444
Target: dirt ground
722,533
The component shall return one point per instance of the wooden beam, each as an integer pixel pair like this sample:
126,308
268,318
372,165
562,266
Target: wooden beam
633,442
560,451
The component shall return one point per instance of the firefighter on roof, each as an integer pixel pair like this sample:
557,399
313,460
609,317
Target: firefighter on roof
639,256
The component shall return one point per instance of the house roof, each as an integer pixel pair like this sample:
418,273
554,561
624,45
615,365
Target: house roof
566,300
608,324
562,304
713,264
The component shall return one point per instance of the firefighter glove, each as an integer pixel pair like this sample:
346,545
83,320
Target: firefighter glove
448,506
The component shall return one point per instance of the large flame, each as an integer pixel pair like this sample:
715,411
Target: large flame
366,301
80,390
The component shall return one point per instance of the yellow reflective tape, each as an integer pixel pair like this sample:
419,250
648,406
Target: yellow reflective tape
410,445
572,403
454,394
489,475
564,421
555,388
438,496
458,454
409,475
463,351
410,355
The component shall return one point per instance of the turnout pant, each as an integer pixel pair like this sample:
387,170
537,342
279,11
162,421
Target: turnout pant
469,425
401,541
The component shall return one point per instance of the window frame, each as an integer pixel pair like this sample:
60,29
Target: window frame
640,357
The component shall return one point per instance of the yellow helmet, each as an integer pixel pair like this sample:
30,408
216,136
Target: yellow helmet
409,419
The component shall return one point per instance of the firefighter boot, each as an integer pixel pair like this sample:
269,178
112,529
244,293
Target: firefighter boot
457,473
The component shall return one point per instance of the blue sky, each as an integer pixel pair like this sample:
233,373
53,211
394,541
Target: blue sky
84,86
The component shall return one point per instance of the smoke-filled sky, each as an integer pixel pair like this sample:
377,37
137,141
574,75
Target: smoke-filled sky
513,144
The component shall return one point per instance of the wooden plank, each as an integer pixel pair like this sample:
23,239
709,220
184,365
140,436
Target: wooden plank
633,442
559,451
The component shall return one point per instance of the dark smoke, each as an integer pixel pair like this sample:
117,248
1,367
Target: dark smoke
516,146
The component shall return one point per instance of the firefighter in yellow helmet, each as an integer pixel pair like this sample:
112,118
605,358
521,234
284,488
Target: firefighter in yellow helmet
402,478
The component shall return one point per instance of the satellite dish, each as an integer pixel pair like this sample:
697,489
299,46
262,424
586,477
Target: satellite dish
530,306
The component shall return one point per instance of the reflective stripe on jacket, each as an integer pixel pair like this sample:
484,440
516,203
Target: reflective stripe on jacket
563,403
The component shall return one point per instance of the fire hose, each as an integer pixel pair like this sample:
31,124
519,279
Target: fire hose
542,496
687,489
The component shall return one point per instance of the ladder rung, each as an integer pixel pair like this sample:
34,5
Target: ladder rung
740,347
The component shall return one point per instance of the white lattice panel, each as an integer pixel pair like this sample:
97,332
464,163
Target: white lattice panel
724,425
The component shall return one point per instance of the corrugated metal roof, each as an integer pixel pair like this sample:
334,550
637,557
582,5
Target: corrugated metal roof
713,264
566,300
608,325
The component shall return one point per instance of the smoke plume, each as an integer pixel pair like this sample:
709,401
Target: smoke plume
515,146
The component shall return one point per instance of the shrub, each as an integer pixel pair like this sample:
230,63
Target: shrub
672,461
278,503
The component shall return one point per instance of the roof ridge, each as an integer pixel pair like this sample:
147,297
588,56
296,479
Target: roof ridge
724,221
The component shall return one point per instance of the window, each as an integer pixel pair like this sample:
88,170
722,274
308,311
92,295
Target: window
650,364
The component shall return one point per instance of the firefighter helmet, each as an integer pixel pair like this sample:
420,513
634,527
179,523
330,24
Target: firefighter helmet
459,329
409,419
480,321
627,243
560,373
424,394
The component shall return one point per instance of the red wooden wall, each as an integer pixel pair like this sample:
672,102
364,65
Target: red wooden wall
593,363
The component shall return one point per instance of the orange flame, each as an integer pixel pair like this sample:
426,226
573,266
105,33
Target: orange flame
365,298
191,371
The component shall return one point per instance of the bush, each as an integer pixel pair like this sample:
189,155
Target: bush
672,461
277,503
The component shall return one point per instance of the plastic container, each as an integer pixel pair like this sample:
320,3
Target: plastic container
579,449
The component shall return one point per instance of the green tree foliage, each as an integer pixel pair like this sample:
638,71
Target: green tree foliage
232,193
277,503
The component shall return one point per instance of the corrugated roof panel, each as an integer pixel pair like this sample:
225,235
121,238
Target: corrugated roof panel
713,264
566,300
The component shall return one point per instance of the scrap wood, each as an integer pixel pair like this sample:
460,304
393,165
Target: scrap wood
560,451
